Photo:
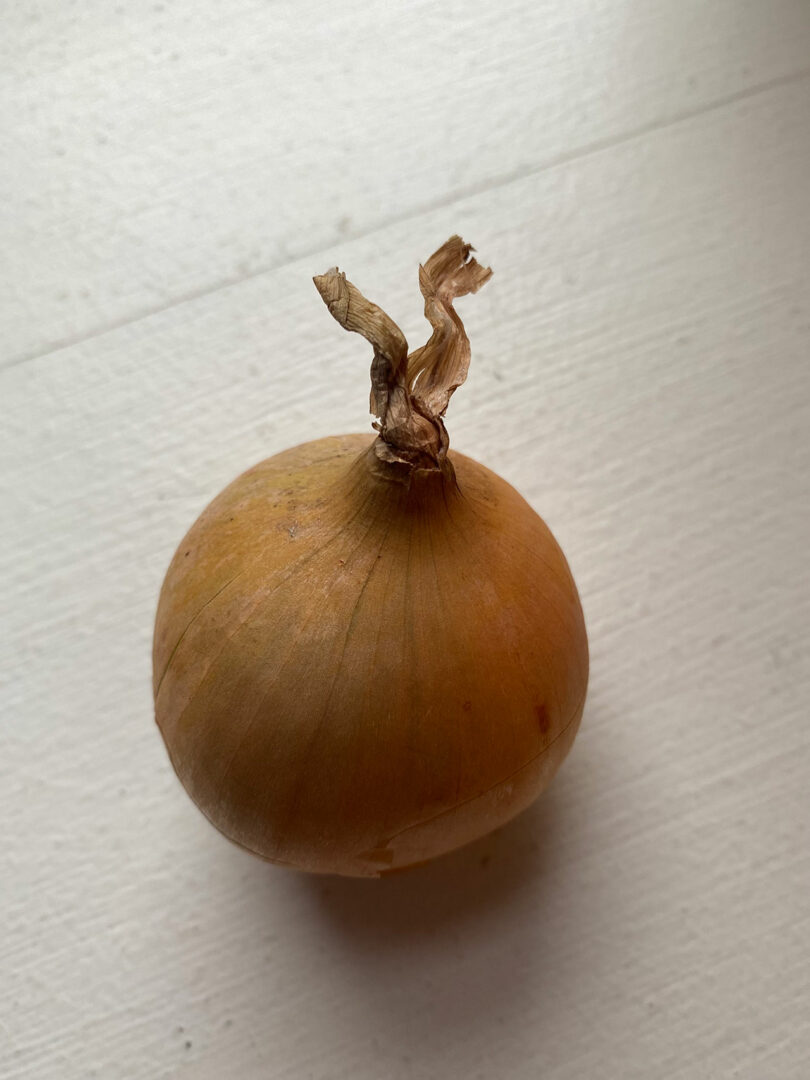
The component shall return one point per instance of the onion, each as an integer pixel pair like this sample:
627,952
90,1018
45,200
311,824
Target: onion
369,651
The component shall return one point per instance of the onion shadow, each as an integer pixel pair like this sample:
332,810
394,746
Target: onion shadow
454,890
431,955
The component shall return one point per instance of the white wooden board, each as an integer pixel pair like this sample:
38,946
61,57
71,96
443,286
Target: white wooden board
154,152
641,371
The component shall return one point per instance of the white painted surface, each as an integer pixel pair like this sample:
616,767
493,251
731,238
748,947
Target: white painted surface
154,152
641,371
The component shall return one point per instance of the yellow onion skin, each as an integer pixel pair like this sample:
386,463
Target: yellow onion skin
355,671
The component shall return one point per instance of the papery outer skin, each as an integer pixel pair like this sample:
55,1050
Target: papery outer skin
354,674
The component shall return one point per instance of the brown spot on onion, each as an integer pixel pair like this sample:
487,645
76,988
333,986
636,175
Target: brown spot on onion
543,722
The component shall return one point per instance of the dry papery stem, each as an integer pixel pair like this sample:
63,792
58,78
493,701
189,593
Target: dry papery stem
410,393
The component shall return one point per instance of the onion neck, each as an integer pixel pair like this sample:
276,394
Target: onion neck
424,473
410,392
373,488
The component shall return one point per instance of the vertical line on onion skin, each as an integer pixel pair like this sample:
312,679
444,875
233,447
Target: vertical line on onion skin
313,739
285,576
305,625
189,626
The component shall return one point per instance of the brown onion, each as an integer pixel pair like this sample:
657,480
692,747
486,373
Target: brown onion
371,651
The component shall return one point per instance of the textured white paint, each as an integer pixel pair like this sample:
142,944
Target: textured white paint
641,371
153,152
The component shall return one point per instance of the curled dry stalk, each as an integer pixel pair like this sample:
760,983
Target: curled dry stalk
410,392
